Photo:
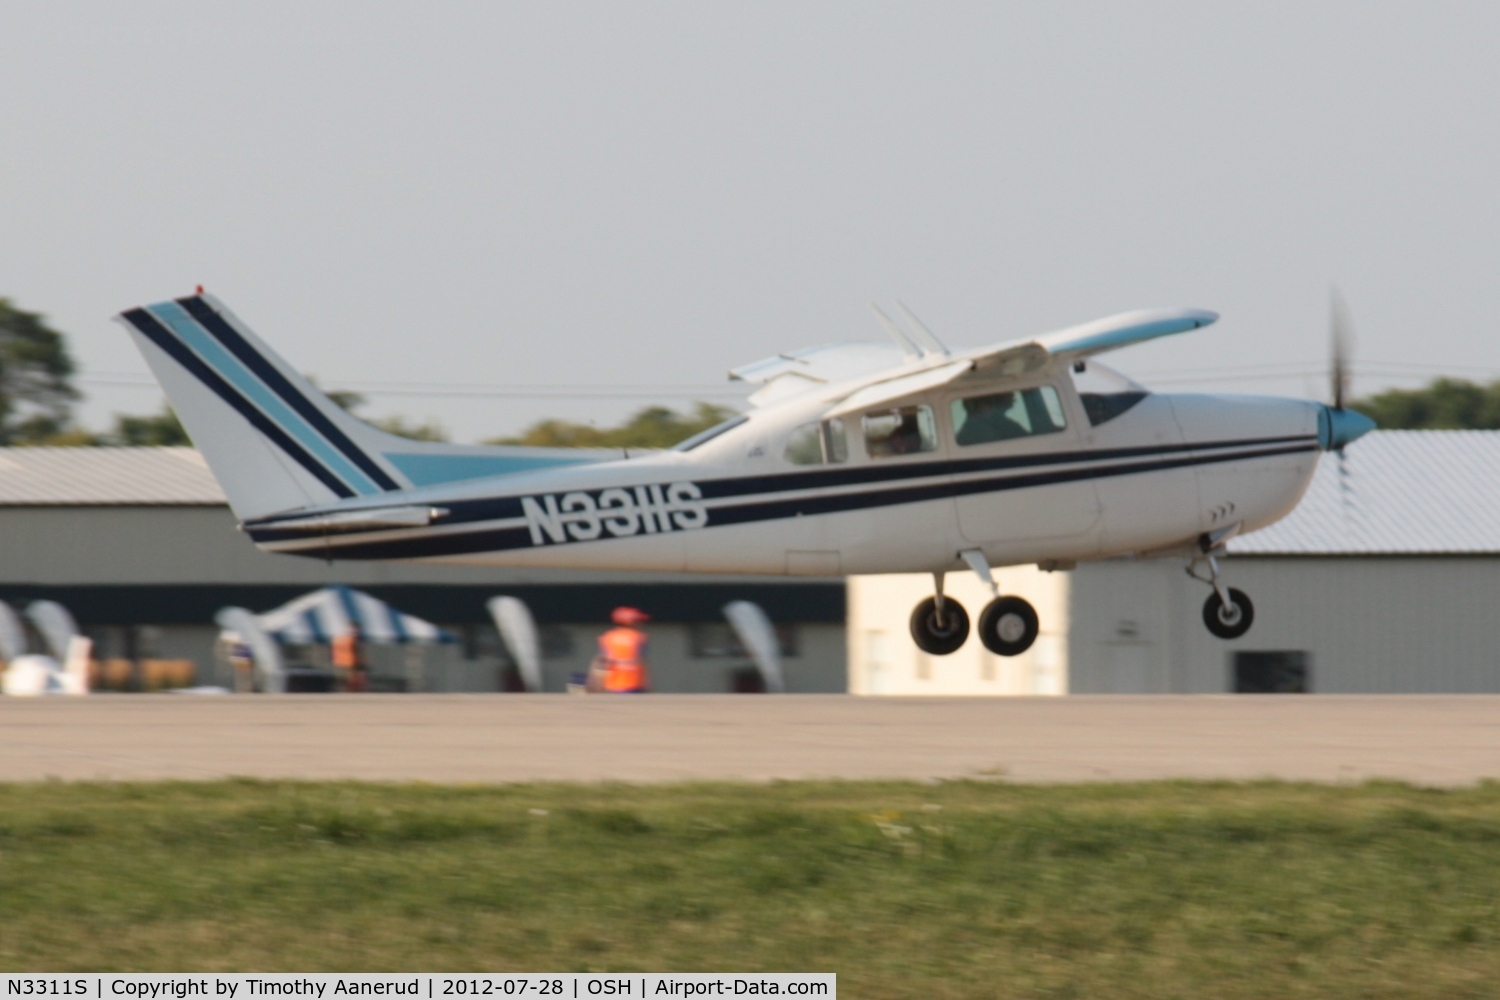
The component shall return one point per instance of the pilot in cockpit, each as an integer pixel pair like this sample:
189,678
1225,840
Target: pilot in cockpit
987,419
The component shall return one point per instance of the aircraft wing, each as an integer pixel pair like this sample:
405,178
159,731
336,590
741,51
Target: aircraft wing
1122,330
880,373
896,388
824,363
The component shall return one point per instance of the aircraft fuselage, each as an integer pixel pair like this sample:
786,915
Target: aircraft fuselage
1161,473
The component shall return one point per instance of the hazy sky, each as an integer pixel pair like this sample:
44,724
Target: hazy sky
626,194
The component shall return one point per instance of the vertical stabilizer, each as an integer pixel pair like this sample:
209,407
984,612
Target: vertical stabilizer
271,438
274,441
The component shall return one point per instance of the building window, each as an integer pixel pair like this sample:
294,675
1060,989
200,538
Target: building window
1278,672
716,641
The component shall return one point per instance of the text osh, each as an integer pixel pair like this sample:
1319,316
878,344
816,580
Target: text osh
619,511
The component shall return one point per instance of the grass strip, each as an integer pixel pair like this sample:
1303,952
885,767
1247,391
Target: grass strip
959,889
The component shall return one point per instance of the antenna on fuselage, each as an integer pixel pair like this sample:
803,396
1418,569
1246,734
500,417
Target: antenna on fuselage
901,337
917,345
928,340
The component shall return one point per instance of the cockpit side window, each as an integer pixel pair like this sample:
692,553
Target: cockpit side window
900,430
815,444
1104,392
1003,416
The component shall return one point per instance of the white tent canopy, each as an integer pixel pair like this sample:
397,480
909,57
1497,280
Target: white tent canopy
323,614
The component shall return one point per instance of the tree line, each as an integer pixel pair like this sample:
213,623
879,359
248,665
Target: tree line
37,396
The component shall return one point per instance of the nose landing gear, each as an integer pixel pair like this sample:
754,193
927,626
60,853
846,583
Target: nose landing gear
1227,613
1228,619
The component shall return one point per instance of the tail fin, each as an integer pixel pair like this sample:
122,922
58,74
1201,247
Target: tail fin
273,440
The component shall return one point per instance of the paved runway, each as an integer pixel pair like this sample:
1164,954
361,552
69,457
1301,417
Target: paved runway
1429,739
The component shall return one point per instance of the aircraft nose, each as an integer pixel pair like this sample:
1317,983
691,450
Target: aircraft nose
1337,428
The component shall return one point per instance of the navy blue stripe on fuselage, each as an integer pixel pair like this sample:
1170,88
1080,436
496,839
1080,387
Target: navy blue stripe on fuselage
500,539
504,508
252,359
151,328
878,473
837,502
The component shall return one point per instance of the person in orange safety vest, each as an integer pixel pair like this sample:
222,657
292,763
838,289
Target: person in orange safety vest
620,667
349,661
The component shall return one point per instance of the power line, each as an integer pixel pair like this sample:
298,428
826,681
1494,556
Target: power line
1273,371
473,390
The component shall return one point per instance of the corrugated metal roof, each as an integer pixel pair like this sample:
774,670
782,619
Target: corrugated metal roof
1395,493
105,476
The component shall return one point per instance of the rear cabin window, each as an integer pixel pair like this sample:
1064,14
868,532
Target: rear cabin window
901,430
1004,416
815,444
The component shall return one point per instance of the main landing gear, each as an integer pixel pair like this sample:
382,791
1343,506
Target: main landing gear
1227,613
939,625
1007,626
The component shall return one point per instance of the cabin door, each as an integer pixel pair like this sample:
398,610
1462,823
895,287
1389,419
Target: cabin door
1013,496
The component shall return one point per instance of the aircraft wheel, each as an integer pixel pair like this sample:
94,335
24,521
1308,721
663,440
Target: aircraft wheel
939,640
1228,622
1008,626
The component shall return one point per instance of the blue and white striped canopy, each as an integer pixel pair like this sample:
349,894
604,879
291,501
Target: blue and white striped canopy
323,614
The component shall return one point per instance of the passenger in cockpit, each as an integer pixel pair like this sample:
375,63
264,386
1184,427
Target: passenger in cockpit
906,439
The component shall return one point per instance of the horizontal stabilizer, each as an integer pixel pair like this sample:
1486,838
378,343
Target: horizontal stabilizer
363,519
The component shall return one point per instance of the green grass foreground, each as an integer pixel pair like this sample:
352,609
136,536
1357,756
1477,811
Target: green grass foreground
963,889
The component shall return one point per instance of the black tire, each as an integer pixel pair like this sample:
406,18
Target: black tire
1228,626
1008,626
939,640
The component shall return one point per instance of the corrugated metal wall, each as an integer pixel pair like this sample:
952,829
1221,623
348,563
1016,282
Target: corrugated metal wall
1369,624
128,572
159,544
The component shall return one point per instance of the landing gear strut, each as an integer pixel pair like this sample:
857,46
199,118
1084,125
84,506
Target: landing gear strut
1227,613
939,625
1007,626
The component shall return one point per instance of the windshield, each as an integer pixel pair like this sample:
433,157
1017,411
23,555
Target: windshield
703,437
1104,392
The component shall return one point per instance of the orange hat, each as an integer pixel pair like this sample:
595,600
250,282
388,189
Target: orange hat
629,616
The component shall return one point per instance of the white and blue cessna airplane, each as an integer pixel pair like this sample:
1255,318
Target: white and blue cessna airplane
853,458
